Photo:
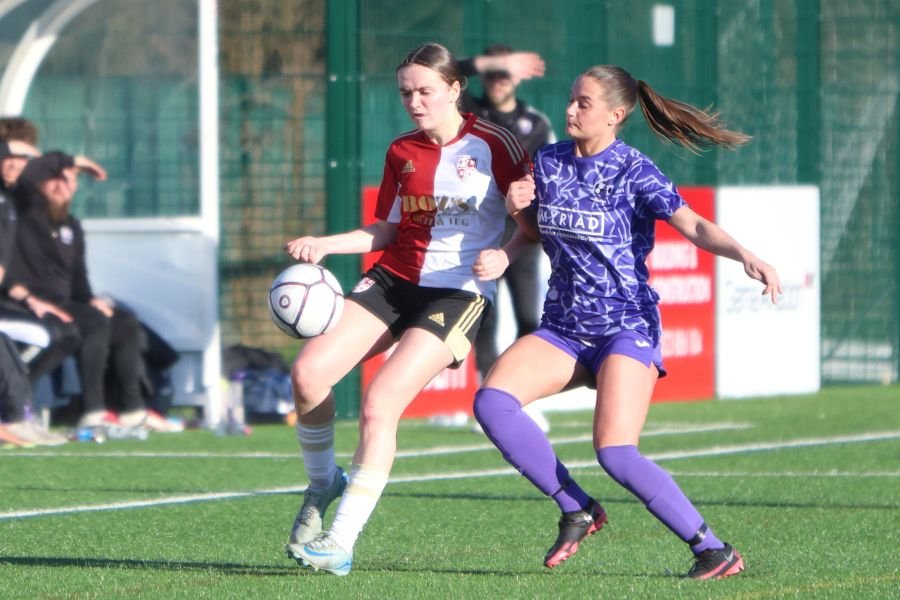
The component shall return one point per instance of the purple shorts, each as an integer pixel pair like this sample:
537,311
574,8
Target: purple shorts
634,344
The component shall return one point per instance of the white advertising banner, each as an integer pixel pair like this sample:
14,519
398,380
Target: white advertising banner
764,349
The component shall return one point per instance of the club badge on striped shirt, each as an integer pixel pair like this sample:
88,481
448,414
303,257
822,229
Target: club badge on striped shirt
466,166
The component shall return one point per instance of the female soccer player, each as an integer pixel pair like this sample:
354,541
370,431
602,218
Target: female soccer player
597,200
440,216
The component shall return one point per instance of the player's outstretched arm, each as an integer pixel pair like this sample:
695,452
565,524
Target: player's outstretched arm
710,237
365,239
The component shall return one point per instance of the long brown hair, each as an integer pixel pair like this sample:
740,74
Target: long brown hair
670,120
438,59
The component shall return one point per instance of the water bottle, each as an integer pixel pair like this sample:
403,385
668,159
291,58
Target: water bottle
234,422
96,435
117,432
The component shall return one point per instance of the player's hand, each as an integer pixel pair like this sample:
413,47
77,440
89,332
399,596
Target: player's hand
520,194
525,65
103,306
490,264
306,249
40,308
766,273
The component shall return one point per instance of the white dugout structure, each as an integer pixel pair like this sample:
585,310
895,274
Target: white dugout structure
164,268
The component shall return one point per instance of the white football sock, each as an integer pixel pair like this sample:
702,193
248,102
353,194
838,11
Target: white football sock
357,504
317,444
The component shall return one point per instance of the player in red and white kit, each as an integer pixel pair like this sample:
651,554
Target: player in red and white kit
440,218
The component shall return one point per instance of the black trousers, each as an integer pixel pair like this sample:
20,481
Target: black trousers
114,342
64,339
15,390
98,343
523,279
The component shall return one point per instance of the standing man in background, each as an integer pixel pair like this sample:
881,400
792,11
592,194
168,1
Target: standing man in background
501,70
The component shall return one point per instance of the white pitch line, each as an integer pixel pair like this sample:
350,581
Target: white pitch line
410,453
760,447
777,474
506,471
669,430
123,505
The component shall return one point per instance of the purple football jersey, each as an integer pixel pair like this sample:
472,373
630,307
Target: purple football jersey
597,222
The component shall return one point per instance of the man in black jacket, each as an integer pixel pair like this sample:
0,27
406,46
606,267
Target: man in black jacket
15,389
48,275
15,376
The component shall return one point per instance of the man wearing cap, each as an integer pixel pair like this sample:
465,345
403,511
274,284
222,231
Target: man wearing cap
48,276
45,353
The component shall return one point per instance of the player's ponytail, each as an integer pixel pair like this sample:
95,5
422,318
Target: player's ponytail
670,120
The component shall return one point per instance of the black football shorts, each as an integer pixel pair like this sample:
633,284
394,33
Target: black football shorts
452,315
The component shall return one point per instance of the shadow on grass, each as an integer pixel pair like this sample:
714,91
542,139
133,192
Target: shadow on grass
107,490
376,566
157,565
630,500
366,566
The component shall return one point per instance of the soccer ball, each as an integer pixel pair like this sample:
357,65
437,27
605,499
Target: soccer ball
305,300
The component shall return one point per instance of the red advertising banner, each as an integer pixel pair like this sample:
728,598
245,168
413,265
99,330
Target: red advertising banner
684,277
453,390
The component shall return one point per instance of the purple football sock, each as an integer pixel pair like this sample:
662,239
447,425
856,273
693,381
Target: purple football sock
659,493
525,447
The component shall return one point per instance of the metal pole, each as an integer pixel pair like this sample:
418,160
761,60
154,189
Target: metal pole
342,150
208,77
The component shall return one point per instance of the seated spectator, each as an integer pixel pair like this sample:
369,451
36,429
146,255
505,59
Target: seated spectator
15,388
15,395
14,155
48,276
45,347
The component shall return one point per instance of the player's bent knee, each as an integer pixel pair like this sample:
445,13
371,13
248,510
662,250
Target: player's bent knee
492,404
618,461
309,383
384,401
374,419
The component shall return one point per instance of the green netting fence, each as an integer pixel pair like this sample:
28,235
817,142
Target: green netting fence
309,104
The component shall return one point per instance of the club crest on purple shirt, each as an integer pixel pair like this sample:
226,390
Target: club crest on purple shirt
602,193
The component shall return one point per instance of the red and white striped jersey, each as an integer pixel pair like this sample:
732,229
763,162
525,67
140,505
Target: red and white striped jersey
449,203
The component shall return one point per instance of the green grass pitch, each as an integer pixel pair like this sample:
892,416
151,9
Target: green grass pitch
807,488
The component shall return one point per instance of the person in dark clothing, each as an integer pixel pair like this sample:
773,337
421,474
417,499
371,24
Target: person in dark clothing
14,155
15,388
501,69
48,276
15,375
15,392
47,344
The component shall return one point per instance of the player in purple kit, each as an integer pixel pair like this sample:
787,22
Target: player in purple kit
597,203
